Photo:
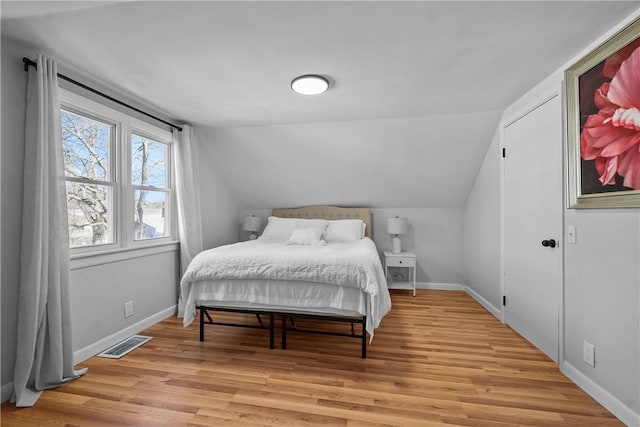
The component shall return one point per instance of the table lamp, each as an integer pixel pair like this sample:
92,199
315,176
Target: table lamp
397,226
252,224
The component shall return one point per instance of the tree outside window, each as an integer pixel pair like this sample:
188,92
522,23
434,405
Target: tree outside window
149,179
87,145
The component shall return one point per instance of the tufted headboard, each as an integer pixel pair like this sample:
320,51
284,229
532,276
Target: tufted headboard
328,212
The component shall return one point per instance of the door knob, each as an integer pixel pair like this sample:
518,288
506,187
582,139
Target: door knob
551,243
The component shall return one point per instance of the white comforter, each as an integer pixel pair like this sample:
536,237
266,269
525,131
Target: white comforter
352,264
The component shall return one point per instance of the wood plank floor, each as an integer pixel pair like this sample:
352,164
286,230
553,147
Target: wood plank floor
437,359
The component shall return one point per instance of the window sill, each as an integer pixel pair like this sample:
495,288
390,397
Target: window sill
85,260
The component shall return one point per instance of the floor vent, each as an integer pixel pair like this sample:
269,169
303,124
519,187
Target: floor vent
124,347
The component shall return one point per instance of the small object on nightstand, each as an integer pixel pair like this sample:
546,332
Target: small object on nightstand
403,259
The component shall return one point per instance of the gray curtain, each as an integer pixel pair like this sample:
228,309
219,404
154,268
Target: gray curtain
187,178
44,357
185,149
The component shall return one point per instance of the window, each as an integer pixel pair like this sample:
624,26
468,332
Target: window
87,145
149,180
118,177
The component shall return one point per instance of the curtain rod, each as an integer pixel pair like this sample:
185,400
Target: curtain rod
27,62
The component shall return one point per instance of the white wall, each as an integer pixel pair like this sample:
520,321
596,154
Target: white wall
219,207
602,299
601,284
435,236
482,229
98,294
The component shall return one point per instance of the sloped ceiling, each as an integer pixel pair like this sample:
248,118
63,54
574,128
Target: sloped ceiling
417,88
425,161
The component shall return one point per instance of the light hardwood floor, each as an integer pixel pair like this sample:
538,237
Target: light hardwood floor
437,359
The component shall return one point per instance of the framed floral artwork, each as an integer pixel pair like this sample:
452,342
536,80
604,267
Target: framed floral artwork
603,124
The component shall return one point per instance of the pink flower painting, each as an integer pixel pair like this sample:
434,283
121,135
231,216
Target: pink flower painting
610,136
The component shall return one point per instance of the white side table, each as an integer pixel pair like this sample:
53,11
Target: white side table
403,259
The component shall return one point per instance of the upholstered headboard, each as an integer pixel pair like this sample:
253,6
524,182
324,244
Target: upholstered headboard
328,212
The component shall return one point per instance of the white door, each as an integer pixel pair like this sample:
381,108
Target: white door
533,225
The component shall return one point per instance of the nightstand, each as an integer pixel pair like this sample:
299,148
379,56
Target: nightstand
403,259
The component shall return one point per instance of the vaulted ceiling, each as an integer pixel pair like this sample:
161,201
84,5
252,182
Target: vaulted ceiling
417,88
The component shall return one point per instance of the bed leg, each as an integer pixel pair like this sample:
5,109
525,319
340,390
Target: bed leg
272,330
284,332
202,311
364,337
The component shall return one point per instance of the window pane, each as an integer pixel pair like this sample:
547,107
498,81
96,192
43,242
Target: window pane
89,214
148,162
150,214
86,145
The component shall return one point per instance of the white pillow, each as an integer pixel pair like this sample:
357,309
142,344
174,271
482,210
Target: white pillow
305,236
344,230
319,225
278,228
281,228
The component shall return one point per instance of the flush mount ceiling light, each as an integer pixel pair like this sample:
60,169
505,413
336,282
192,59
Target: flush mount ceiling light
310,84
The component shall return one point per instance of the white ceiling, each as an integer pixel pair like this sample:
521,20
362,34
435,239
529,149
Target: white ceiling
229,65
25,8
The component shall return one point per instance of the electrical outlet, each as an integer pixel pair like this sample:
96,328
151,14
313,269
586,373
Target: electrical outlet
589,354
128,309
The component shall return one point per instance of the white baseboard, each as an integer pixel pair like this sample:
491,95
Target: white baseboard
6,392
99,346
427,285
440,286
486,304
602,396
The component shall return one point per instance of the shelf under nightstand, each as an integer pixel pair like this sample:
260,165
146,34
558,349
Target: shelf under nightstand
402,260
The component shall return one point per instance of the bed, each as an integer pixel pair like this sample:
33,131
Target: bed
316,262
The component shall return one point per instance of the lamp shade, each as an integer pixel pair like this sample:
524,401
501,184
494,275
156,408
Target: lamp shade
397,225
252,223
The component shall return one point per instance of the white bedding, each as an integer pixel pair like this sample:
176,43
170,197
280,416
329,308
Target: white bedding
318,279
